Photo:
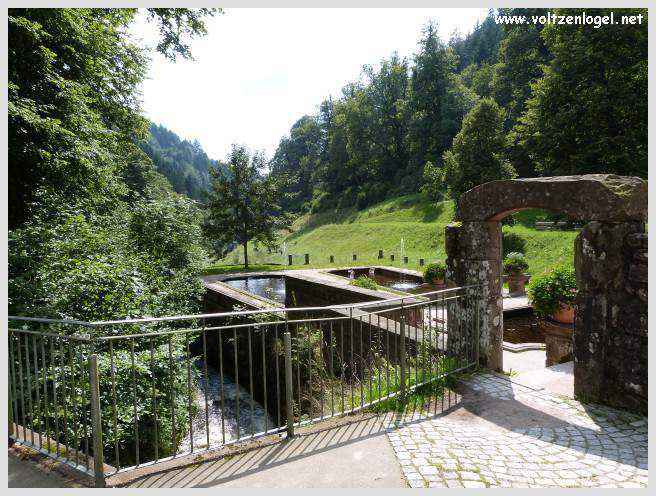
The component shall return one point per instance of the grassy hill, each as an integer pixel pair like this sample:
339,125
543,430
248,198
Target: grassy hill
410,220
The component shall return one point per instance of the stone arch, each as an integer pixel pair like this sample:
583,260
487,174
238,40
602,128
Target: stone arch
610,338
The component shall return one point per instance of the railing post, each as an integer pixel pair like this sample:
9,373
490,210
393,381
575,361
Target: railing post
289,389
402,353
289,260
96,424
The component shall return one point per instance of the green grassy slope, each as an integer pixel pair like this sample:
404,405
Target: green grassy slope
419,223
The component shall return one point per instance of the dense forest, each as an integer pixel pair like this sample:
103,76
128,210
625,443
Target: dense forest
504,101
95,231
183,163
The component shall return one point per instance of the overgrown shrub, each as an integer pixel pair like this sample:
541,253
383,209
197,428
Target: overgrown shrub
434,272
514,263
365,282
512,242
549,291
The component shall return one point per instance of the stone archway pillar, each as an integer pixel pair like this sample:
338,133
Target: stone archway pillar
610,337
474,258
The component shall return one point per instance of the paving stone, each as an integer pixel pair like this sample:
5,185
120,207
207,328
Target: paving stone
439,452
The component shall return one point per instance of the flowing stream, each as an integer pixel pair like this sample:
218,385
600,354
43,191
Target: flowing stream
223,421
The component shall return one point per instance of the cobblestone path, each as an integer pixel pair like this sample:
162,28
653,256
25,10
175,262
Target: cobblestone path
506,435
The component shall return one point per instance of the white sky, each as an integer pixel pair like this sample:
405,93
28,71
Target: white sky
259,70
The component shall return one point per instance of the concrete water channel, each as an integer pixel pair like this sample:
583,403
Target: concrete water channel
303,288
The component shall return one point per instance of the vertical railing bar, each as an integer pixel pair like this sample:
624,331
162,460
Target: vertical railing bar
206,384
415,312
387,352
134,403
445,336
289,382
237,400
45,393
298,371
74,404
361,381
222,386
402,362
20,379
379,372
189,398
438,357
112,368
154,397
322,390
370,361
250,330
330,359
264,382
84,382
12,385
174,437
37,387
428,348
277,354
62,358
352,355
96,419
343,360
310,395
29,385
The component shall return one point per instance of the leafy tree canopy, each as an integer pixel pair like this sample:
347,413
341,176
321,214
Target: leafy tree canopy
242,205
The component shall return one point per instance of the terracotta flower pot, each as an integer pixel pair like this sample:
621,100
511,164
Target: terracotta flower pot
517,284
564,314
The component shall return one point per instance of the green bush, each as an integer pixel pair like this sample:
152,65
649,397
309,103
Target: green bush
434,272
512,242
365,282
514,263
549,291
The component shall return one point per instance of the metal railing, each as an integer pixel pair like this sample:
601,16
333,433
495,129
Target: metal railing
107,397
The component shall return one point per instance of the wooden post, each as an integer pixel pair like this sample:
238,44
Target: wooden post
380,254
355,257
405,260
332,259
392,257
307,259
289,259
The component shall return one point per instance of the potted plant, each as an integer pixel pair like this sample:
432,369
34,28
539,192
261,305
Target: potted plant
435,273
553,294
514,266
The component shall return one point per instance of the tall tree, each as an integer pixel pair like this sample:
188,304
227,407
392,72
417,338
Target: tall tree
477,153
588,113
74,115
77,176
295,162
242,204
431,75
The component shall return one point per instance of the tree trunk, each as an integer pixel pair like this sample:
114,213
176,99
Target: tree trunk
245,255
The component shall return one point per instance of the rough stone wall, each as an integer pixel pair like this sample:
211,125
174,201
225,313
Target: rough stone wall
610,339
474,258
